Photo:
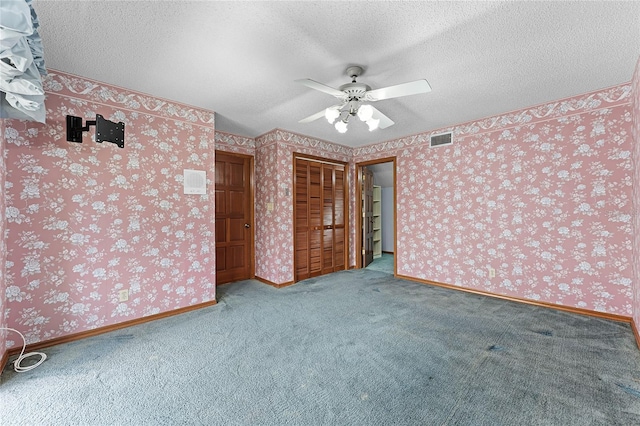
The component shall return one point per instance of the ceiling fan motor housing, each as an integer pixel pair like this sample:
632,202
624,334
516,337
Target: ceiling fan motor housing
354,90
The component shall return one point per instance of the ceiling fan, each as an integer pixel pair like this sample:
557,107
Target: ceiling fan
354,97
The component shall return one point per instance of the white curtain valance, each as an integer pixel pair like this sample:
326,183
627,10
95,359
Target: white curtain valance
21,62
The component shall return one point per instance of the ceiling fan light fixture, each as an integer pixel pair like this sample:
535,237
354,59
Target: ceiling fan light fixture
341,126
352,95
331,114
365,113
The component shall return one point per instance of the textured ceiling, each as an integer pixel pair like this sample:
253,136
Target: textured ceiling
240,59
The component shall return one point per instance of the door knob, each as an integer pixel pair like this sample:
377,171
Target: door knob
246,225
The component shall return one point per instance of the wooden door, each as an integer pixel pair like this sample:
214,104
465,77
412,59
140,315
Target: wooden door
320,241
234,205
367,217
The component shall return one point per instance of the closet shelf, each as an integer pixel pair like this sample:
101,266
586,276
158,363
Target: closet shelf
377,221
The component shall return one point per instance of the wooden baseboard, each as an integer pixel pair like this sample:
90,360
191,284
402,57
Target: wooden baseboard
4,360
97,331
387,252
581,311
272,284
635,333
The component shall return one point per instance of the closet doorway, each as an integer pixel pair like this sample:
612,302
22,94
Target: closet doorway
320,212
376,211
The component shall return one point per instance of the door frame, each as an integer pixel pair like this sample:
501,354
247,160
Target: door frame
358,209
309,157
252,222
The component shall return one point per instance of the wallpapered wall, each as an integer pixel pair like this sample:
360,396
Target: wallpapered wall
87,220
541,195
3,247
268,262
274,184
235,144
635,130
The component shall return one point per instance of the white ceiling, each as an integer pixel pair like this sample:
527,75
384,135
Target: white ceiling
240,59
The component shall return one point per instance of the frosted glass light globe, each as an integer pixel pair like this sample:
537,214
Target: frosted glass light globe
331,114
341,126
365,112
373,124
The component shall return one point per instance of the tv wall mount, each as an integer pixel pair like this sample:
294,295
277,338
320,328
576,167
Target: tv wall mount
106,131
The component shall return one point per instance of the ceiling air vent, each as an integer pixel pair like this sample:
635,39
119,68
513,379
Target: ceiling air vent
442,139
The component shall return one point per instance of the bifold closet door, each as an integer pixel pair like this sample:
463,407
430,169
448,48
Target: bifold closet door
319,218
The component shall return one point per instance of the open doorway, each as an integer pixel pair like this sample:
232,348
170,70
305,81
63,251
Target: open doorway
376,215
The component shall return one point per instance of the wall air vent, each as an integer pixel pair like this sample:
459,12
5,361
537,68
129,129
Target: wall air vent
195,181
441,139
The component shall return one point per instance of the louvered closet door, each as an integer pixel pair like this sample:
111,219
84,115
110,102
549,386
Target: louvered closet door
319,218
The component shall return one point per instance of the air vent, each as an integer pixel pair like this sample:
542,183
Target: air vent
195,181
441,139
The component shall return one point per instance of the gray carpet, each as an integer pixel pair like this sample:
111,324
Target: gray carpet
354,348
383,264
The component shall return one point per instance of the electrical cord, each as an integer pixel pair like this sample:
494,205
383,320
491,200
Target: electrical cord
16,364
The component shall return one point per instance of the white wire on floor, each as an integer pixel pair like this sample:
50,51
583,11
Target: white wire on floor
16,364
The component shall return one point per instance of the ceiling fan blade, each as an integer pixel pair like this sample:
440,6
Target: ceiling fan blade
313,117
319,114
404,89
384,120
321,87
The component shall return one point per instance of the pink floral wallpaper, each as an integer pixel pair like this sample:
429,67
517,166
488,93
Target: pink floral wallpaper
542,196
274,184
229,142
635,140
3,247
268,262
84,221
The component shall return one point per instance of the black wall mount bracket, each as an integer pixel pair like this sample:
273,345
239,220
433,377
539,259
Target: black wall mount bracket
106,130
